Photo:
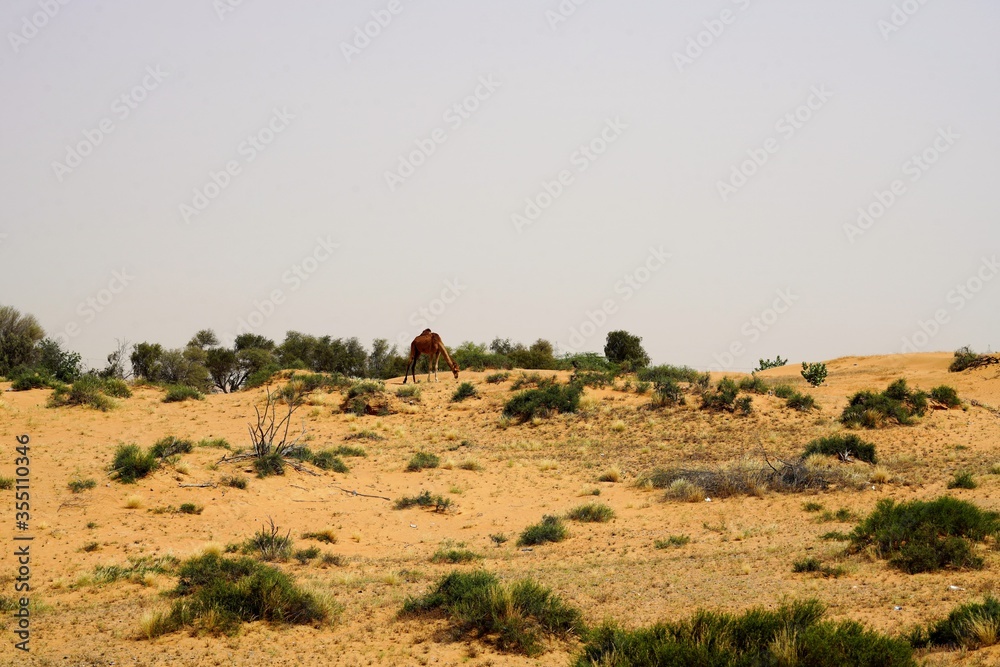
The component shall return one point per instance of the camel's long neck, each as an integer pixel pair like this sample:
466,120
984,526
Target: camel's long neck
447,357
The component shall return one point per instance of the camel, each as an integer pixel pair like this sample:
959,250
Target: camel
428,343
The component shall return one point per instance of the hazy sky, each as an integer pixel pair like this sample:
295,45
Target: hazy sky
692,172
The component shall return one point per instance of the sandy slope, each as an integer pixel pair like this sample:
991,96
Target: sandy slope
740,554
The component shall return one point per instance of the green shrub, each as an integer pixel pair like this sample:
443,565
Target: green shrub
836,445
806,565
518,615
190,508
131,463
919,536
424,499
969,626
365,388
964,358
801,402
78,485
115,387
767,363
409,391
497,378
792,634
306,555
536,379
753,385
269,464
836,535
549,529
962,480
673,541
216,443
234,481
137,569
946,396
812,506
464,391
597,379
815,374
31,380
897,404
785,391
170,446
422,460
666,392
591,512
328,460
347,450
543,402
656,374
6,483
454,556
179,392
269,544
88,390
218,594
723,397
744,405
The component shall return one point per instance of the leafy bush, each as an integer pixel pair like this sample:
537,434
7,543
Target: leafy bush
801,402
190,508
897,404
591,512
365,388
131,463
347,450
454,556
179,392
218,594
969,626
622,347
946,396
723,397
597,379
791,634
815,374
497,378
962,480
919,536
667,372
464,391
744,405
815,566
170,446
518,615
785,391
666,392
542,402
269,544
673,541
424,499
767,363
78,485
836,445
753,385
88,390
409,391
234,481
31,380
423,460
536,379
549,529
964,358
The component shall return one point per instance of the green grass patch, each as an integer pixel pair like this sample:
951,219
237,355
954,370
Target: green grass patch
672,542
170,446
422,460
591,512
497,378
454,556
131,463
549,529
80,485
962,480
464,391
516,617
235,481
179,392
969,626
328,460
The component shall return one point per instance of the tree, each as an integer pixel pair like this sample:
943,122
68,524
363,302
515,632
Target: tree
116,362
60,364
621,346
252,341
223,366
145,360
384,361
204,338
815,374
185,367
19,335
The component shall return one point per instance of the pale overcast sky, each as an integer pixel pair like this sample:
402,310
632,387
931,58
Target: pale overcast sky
692,172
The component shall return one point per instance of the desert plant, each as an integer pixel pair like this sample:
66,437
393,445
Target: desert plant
328,460
767,363
424,499
924,536
897,404
518,615
753,384
410,391
422,460
234,481
543,402
549,529
793,634
78,485
131,463
87,390
801,402
454,556
962,480
965,358
464,391
591,512
497,378
814,374
946,396
306,555
970,626
190,508
268,544
845,446
178,392
666,392
622,347
170,446
723,397
327,536
673,541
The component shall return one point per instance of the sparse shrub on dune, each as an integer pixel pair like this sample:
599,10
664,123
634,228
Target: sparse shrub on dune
454,556
591,512
424,499
464,391
516,617
549,529
793,634
597,379
801,402
422,460
178,393
965,358
90,390
845,446
723,397
752,384
269,544
945,396
962,480
667,393
329,460
497,378
814,374
925,536
80,485
543,402
897,404
170,446
131,463
969,626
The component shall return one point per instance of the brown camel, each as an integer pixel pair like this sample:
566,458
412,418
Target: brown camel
428,343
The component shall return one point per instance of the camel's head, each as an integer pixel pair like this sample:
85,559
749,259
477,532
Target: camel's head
454,369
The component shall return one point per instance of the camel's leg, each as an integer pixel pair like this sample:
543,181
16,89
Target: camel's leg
430,364
437,358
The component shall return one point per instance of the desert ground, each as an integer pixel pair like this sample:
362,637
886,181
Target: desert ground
740,552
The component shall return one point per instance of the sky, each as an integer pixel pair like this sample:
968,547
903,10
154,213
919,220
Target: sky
728,179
